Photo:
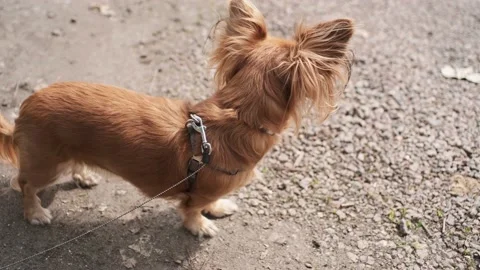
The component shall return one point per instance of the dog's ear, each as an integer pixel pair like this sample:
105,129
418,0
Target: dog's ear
237,36
317,63
327,40
245,23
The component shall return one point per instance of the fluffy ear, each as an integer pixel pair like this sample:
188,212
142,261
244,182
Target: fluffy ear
245,22
237,36
327,40
318,62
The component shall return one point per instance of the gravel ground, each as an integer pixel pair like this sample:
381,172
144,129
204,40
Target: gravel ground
391,181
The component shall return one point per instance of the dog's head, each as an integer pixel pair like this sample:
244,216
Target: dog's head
269,80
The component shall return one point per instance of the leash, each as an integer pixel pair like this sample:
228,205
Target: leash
103,224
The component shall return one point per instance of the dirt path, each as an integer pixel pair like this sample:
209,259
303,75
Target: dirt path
403,147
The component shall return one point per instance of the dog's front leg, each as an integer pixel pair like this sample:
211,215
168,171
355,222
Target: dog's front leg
191,210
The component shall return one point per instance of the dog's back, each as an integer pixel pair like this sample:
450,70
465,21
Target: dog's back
117,130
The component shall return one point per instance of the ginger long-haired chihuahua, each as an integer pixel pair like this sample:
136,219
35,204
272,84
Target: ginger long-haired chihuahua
263,83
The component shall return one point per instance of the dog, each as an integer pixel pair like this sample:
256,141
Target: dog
263,85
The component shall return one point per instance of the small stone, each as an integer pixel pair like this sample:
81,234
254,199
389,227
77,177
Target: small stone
102,208
347,204
254,202
330,230
362,84
120,192
305,183
341,215
362,244
308,265
39,86
349,149
147,208
431,152
370,260
283,158
352,257
144,59
281,241
450,220
51,15
302,203
360,133
88,206
292,212
57,32
473,212
403,227
422,253
130,263
135,230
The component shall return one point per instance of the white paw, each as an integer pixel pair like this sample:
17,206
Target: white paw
202,227
85,181
221,208
40,216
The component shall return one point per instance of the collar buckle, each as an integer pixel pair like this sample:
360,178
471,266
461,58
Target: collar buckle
195,123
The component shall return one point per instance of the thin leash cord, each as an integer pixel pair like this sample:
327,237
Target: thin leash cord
101,225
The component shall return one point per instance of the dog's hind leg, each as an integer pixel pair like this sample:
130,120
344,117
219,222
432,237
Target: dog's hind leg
39,166
83,177
33,210
33,179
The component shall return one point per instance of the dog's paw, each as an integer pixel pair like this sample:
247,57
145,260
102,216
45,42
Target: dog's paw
221,208
88,181
201,227
39,216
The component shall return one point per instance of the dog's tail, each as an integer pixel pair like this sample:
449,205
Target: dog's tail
7,147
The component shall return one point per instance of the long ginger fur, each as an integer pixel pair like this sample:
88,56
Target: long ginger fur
263,83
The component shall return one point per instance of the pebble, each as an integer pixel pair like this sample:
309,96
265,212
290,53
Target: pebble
51,15
341,215
283,158
362,244
120,192
57,33
302,203
349,149
305,183
352,256
450,220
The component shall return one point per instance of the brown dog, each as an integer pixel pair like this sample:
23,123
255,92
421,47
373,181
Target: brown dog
263,82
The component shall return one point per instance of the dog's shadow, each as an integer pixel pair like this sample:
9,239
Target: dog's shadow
152,238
